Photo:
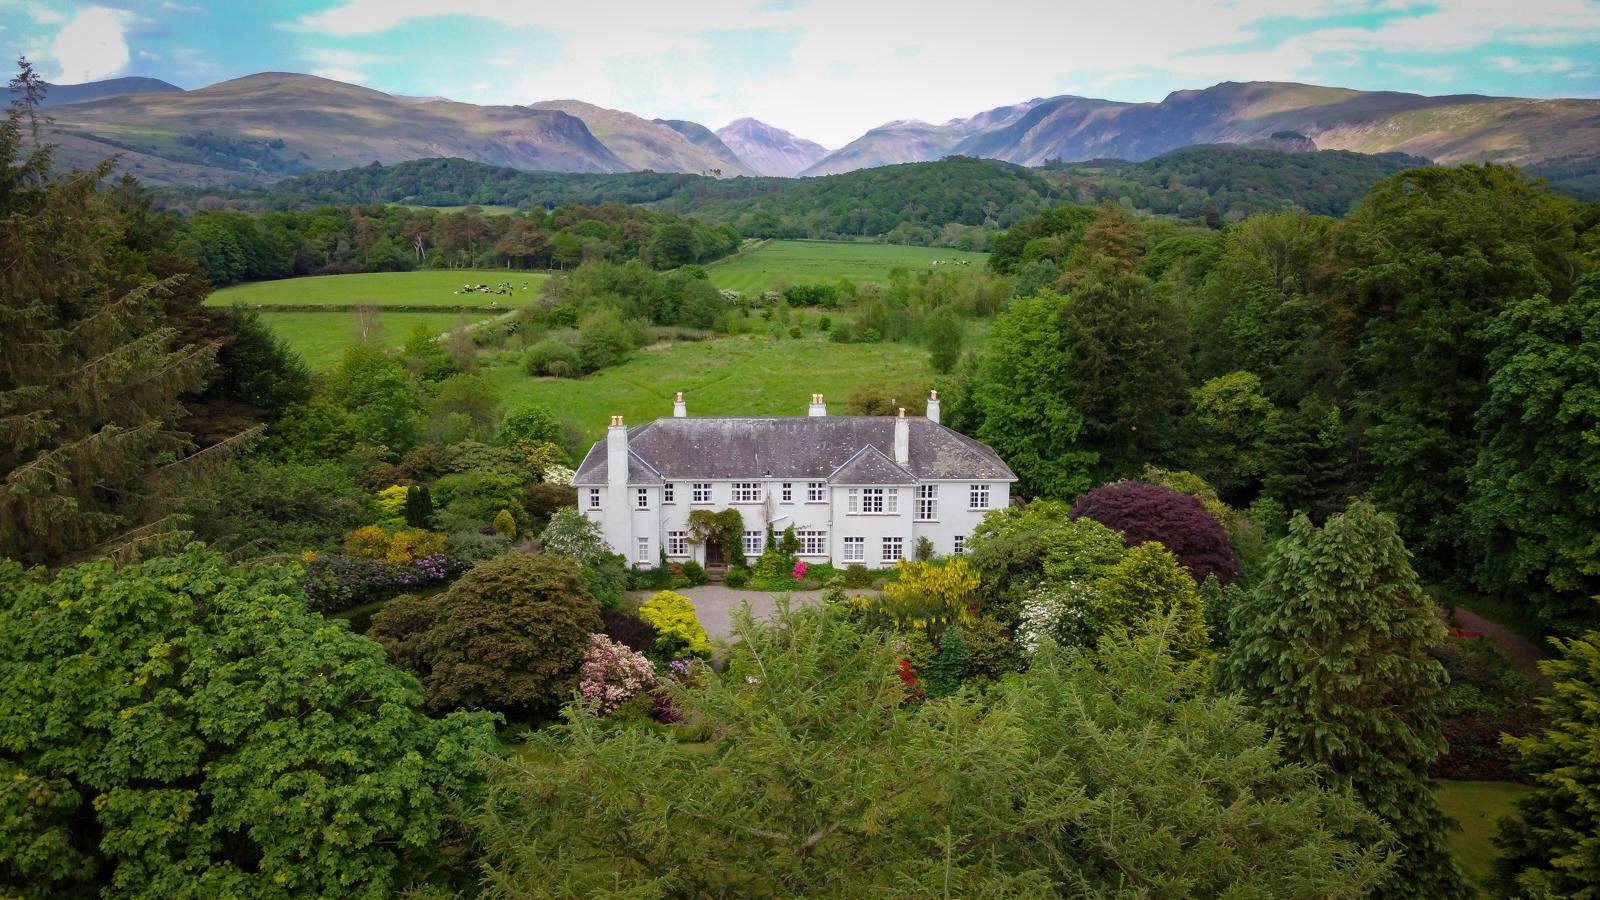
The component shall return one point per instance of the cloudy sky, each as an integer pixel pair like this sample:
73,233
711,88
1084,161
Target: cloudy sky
825,69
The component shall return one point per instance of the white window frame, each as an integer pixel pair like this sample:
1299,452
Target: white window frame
754,542
960,545
667,493
927,503
641,498
594,498
677,543
700,492
897,544
813,542
747,492
787,495
855,549
977,496
644,550
816,492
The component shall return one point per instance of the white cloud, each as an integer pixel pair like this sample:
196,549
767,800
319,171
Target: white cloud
851,65
92,45
342,65
1555,66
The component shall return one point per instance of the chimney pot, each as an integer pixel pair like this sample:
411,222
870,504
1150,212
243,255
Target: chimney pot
679,408
933,407
902,412
817,408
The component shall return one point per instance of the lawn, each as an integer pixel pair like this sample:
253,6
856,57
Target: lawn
824,261
1478,806
428,287
741,376
320,337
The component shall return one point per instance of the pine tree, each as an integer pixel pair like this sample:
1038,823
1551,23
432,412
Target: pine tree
419,507
1332,647
949,669
91,373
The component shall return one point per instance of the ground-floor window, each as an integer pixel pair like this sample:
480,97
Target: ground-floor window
594,498
855,549
961,544
894,549
813,543
644,550
677,543
752,543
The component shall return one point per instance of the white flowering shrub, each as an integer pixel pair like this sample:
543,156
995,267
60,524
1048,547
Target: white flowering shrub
1058,613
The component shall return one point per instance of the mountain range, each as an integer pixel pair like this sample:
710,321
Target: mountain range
262,128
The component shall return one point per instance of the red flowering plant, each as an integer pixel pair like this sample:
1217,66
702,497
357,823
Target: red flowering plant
799,571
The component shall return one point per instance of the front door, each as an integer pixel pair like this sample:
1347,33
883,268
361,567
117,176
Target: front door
714,556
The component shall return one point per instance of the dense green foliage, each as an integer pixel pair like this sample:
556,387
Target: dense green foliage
1553,847
1227,183
1332,648
820,784
1535,485
185,728
97,360
507,636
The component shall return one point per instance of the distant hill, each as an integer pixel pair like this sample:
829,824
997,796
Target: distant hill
269,126
263,128
58,94
768,150
1451,129
643,144
1227,182
913,202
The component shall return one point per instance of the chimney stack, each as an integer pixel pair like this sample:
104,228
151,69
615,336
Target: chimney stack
617,456
902,439
933,407
680,409
818,408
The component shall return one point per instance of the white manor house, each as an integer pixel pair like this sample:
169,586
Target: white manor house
856,489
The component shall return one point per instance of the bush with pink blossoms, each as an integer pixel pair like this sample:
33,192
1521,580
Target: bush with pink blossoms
799,571
612,674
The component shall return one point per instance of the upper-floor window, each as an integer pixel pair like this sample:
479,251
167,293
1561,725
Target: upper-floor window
978,496
816,492
594,498
643,498
788,492
813,543
700,492
747,492
927,502
872,501
667,493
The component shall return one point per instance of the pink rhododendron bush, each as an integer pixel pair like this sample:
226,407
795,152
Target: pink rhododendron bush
612,674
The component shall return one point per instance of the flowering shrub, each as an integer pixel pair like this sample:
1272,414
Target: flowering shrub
401,548
678,629
799,571
335,583
611,674
929,594
557,475
1058,613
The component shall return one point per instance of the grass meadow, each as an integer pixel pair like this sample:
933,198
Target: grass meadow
427,287
1478,806
792,262
740,376
321,337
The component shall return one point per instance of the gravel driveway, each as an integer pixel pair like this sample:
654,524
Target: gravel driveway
715,603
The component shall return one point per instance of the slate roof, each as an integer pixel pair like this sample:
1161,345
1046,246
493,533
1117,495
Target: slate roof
804,448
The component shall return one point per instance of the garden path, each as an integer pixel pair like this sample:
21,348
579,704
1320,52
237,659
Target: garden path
715,603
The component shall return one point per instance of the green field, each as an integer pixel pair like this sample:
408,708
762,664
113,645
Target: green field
824,261
1478,806
320,337
428,287
745,376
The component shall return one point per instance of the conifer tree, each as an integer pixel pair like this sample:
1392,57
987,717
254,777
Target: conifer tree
1332,647
91,373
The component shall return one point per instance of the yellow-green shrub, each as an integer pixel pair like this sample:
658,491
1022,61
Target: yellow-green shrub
678,629
929,594
392,501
